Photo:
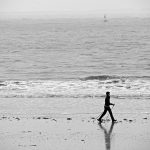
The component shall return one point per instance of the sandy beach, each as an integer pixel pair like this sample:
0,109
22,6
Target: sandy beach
64,124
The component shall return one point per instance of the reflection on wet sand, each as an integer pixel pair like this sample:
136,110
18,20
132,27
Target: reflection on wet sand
107,134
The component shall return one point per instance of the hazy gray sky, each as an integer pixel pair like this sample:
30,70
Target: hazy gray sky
135,6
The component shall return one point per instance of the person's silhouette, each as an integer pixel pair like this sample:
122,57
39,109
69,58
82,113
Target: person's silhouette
107,135
107,108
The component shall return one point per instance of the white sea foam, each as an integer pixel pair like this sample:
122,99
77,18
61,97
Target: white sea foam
119,87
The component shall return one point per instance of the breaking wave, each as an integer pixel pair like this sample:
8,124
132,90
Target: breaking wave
92,86
107,77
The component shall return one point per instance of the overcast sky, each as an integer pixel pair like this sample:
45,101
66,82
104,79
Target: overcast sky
76,6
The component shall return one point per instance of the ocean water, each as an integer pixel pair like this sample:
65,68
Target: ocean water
75,58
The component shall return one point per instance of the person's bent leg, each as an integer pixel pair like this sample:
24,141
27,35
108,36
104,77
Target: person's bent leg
105,110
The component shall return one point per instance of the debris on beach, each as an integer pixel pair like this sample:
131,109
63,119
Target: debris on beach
145,118
20,145
54,120
65,139
38,117
26,131
33,145
119,121
4,117
130,120
45,118
17,118
93,118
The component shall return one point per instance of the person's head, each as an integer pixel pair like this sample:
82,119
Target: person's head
107,93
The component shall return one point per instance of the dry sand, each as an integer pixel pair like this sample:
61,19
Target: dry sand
20,130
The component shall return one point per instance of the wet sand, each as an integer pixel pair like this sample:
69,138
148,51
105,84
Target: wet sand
44,131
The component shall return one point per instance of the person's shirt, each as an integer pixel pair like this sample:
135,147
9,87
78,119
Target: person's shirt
107,101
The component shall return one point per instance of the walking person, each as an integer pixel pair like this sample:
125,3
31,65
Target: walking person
107,108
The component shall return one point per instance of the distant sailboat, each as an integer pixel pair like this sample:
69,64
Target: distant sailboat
105,18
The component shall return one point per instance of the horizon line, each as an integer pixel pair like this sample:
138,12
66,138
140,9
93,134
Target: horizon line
71,14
